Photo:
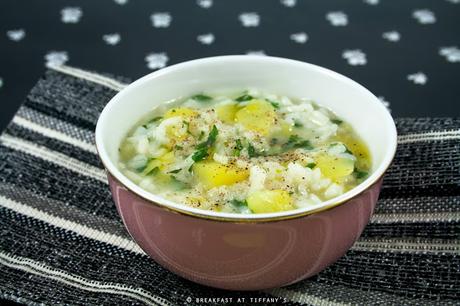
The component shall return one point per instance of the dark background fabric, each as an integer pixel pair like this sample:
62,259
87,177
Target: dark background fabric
385,73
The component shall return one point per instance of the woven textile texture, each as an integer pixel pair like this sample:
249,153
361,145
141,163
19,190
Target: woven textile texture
62,242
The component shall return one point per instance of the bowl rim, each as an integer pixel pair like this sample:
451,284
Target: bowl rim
171,206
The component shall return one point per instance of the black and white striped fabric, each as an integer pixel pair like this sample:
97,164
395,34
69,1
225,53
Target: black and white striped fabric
62,242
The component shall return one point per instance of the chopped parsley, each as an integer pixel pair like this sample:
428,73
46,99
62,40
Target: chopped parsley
337,121
239,203
244,97
202,149
155,119
297,124
347,150
274,103
251,151
201,98
360,174
187,124
238,148
311,165
295,142
175,171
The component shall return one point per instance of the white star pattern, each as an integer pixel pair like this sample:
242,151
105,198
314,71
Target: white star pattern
121,2
204,3
111,39
384,102
337,19
16,35
418,78
452,54
256,52
454,1
156,60
1,83
161,19
249,19
56,58
289,3
206,39
372,2
300,37
424,16
392,36
71,14
355,57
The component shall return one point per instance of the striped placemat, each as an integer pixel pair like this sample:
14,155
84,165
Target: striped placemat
62,242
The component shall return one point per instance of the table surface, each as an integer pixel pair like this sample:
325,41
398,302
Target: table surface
406,52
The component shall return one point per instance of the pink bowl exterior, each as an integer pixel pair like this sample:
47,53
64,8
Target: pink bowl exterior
244,256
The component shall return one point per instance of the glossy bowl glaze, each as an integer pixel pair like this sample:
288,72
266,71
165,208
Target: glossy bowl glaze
246,252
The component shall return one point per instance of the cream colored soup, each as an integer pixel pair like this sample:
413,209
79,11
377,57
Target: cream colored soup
251,152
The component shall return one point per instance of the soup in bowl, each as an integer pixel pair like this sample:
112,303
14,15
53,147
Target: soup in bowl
245,172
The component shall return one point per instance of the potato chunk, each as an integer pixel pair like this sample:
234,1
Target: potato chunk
258,116
335,167
180,111
226,113
267,201
212,174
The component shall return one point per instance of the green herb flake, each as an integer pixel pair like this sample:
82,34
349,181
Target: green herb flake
155,119
337,121
201,98
311,165
251,151
274,103
200,154
178,147
212,136
347,150
244,97
295,141
238,148
360,174
175,171
239,203
297,124
202,149
187,124
201,135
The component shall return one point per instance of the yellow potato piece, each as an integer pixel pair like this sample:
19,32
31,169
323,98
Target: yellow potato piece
180,111
283,130
258,116
212,174
226,113
358,148
176,132
267,201
335,167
